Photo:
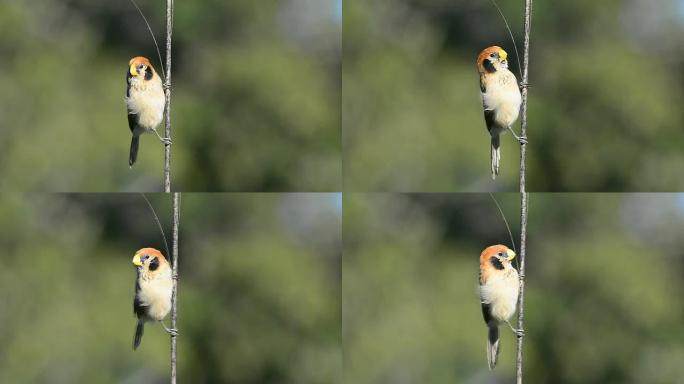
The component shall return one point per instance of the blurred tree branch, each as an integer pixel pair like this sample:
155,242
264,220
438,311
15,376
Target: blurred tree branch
524,197
167,90
174,304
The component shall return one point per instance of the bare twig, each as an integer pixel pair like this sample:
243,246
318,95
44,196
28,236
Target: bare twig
508,228
524,198
156,219
167,91
510,33
174,296
151,34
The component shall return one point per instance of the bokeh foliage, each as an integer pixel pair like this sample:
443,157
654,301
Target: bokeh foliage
604,109
603,294
255,101
259,289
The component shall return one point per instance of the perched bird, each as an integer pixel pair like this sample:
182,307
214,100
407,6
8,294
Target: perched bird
153,289
498,294
500,98
145,102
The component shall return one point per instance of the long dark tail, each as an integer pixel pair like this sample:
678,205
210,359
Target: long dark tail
492,346
133,156
139,330
496,156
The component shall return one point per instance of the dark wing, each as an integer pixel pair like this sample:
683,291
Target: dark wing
128,83
138,307
486,313
132,121
488,115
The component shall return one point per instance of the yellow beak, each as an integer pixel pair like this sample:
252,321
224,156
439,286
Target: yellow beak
502,55
133,70
136,260
510,254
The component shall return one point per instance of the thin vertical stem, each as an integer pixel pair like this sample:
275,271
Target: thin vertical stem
521,294
167,91
174,296
523,109
524,196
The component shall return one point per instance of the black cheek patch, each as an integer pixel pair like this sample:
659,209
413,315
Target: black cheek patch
154,264
148,73
488,66
495,262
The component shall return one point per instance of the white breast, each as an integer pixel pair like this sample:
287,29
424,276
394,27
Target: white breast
501,293
148,103
156,295
503,97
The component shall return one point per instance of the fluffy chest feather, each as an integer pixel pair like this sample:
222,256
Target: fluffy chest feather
155,295
502,96
500,291
147,101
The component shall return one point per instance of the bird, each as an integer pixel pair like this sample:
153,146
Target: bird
145,102
501,99
153,290
498,294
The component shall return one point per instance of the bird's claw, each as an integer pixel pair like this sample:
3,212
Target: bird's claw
521,139
518,332
165,140
170,331
523,85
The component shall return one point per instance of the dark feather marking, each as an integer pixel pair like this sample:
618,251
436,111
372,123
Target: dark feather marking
496,263
489,119
493,346
486,313
148,73
138,307
132,121
133,153
139,330
128,83
488,66
154,264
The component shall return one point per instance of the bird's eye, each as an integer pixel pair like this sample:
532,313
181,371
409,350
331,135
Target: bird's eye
500,254
492,55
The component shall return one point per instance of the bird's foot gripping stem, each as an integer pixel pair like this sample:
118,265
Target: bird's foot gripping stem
518,332
521,139
171,331
165,140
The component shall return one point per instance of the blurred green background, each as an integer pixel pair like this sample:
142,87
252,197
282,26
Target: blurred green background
605,107
259,289
255,101
603,294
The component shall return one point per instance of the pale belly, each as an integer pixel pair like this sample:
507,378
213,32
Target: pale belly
501,294
149,107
